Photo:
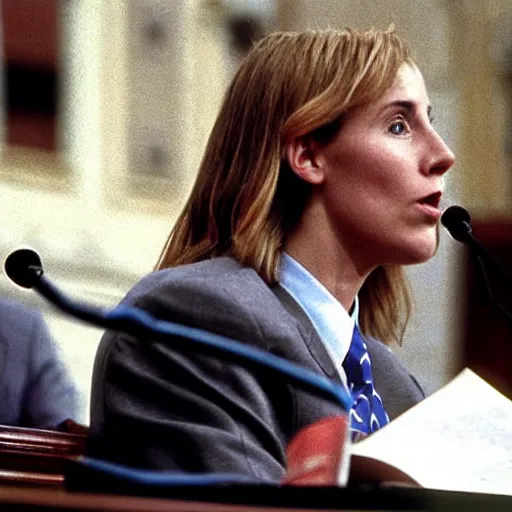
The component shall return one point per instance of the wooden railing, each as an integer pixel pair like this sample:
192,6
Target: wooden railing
38,457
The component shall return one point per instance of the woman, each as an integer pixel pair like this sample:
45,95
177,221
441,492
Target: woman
322,175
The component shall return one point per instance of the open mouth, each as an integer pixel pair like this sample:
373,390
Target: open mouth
432,200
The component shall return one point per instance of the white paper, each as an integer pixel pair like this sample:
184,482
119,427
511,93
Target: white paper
459,439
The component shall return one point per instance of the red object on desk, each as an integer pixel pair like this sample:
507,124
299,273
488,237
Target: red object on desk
319,454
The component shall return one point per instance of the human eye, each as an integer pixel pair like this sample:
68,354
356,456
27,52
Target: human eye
398,127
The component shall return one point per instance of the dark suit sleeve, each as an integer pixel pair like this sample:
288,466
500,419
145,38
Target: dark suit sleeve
153,407
50,396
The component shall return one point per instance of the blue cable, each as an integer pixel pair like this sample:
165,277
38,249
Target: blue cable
161,478
132,320
137,319
137,322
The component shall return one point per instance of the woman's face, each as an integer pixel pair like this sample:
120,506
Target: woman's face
383,176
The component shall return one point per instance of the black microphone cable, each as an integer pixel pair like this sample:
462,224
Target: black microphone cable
458,223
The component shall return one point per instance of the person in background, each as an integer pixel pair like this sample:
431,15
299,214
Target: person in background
35,388
321,178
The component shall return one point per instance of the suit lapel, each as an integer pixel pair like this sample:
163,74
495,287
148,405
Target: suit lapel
307,331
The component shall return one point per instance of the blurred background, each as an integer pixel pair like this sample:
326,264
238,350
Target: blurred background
106,108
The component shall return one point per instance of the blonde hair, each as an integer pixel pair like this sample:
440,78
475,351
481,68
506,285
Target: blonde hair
246,200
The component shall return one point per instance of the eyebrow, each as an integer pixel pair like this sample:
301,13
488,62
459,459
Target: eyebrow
407,105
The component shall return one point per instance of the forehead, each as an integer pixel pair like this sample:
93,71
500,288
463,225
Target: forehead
408,86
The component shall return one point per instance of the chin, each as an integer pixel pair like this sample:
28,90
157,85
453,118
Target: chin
422,251
422,257
417,250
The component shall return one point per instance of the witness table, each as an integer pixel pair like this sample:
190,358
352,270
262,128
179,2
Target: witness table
252,499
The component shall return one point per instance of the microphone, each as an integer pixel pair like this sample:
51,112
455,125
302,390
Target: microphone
24,268
458,223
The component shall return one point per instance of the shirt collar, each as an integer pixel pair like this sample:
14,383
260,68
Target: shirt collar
331,321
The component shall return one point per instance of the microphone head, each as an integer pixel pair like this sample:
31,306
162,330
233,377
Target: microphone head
458,222
24,267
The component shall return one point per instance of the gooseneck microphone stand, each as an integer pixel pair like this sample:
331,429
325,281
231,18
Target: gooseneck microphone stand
458,223
24,268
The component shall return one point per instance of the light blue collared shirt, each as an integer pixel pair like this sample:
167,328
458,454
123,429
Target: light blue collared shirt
330,319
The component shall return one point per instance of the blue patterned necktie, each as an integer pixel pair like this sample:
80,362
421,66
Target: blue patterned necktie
367,413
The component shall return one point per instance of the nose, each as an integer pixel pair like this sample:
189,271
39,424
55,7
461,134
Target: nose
441,157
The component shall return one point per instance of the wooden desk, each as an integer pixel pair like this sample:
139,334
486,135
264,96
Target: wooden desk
17,498
279,500
37,457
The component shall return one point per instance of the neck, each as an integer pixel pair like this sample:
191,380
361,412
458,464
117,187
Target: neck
316,248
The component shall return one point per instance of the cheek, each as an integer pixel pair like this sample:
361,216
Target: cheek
389,173
375,166
370,180
374,188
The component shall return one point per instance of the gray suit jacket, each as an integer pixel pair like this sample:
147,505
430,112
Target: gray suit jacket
154,407
35,388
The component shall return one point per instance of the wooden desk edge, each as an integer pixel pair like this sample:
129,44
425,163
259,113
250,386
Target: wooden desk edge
61,499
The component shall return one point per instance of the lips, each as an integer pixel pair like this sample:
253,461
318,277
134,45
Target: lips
432,199
429,206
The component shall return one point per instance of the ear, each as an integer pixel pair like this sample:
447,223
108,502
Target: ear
303,159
